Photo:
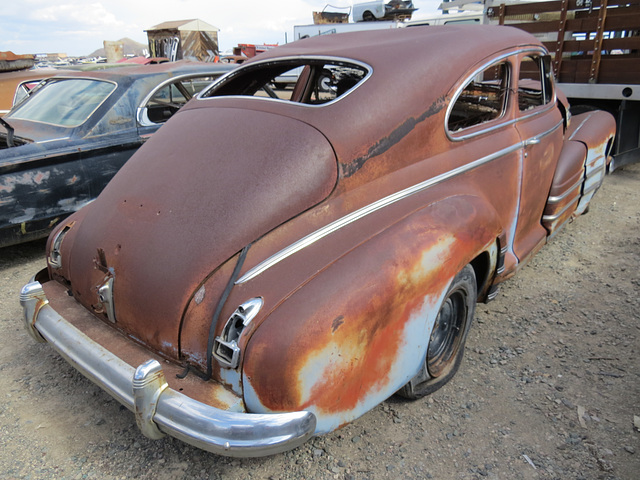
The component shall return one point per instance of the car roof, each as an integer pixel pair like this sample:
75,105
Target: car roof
139,71
396,47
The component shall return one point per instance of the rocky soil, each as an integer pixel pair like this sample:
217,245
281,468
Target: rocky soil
549,388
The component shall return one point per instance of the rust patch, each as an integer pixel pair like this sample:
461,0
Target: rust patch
379,309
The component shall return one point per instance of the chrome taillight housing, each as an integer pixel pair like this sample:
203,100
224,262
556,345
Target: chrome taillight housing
226,350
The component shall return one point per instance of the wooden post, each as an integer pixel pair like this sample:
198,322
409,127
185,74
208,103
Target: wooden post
597,47
557,60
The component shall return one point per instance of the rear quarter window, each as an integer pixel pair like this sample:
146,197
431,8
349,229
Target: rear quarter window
305,81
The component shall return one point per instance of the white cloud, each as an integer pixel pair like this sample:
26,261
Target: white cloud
78,28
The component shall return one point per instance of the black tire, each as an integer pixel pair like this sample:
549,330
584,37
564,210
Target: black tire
449,334
368,16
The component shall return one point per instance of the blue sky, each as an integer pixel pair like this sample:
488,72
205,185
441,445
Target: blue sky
78,27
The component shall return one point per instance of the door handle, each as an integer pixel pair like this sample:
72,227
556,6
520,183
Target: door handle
531,141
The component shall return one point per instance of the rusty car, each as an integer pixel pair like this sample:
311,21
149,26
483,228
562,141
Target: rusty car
61,145
270,267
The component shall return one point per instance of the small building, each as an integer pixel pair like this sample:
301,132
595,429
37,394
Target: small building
184,39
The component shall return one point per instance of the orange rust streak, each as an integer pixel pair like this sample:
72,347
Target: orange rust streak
297,359
357,376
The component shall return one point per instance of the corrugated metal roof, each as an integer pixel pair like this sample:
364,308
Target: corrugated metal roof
193,25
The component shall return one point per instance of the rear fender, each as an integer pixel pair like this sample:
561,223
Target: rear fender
358,330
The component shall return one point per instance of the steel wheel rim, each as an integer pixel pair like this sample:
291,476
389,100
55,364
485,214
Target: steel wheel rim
447,333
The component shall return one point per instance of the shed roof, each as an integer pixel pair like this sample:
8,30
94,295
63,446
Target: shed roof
193,25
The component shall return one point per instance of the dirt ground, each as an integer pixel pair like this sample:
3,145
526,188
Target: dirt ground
549,388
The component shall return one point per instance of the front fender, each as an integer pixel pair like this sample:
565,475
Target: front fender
596,131
358,330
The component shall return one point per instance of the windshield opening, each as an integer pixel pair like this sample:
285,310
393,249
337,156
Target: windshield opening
64,102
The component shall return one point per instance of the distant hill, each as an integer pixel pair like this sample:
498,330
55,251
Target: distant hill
131,47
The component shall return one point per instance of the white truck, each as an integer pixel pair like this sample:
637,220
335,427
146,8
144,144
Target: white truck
393,10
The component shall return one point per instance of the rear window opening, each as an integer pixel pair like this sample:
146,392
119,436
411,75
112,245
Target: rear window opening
64,102
307,81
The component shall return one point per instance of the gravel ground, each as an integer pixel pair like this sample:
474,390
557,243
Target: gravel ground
549,387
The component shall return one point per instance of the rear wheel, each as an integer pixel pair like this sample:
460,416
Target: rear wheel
446,344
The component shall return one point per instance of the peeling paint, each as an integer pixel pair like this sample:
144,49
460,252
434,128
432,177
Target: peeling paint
8,182
384,144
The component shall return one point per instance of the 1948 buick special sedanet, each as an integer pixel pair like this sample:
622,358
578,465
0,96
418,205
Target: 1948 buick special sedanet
267,269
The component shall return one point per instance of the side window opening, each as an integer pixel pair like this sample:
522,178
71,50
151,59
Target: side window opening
535,87
167,100
311,82
482,100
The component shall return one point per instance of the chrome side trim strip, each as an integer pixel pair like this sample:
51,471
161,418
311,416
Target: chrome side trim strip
558,198
553,218
159,409
371,208
384,202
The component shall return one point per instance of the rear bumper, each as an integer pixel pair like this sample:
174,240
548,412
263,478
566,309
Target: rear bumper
160,410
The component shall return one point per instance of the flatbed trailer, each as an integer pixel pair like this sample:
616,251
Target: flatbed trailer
595,45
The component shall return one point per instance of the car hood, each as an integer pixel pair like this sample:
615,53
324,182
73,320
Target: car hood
212,181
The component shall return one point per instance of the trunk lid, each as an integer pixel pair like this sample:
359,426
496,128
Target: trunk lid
210,182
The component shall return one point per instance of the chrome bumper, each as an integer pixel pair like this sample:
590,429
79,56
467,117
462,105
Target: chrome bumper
160,410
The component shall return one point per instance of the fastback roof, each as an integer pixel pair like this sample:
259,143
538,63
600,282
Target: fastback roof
402,45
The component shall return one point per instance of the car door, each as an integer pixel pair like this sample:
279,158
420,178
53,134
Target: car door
481,124
540,125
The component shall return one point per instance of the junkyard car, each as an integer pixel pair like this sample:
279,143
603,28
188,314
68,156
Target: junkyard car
60,147
298,260
15,86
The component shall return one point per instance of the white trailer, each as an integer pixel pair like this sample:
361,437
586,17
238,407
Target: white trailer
305,31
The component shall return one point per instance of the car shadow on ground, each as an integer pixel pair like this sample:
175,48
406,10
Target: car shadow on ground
18,254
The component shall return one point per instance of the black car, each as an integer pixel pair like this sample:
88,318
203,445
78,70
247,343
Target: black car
62,145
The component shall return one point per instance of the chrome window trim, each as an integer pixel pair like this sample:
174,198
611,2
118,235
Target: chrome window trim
22,85
500,124
546,106
141,111
63,78
302,58
379,204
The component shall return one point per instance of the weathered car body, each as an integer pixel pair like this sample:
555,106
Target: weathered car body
15,86
298,279
65,142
